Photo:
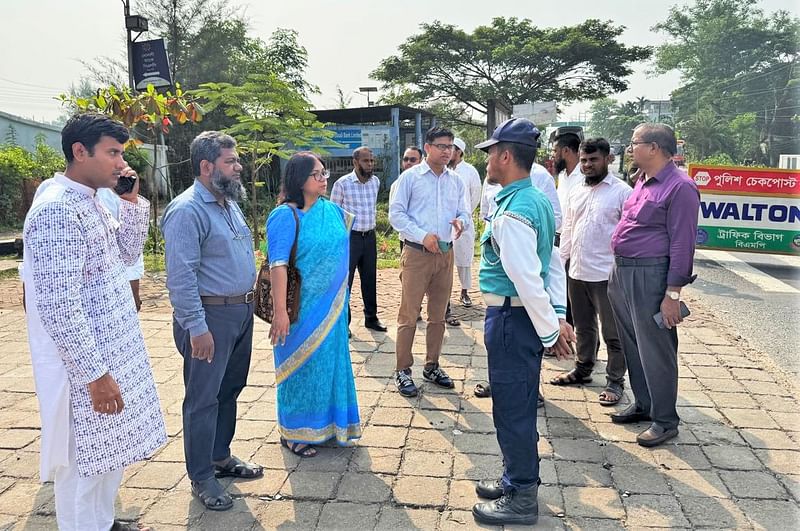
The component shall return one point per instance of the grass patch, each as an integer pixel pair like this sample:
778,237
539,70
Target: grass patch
7,274
154,263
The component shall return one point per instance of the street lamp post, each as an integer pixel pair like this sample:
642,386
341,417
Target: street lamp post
368,90
133,23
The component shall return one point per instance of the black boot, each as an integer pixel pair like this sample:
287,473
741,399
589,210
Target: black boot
489,489
513,507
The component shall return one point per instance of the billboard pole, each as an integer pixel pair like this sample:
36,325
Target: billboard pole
127,9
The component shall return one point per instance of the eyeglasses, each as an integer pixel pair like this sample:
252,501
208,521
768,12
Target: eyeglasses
320,176
444,147
410,159
637,143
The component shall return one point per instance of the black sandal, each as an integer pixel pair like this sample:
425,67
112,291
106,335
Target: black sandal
212,494
573,377
483,390
452,320
236,468
299,449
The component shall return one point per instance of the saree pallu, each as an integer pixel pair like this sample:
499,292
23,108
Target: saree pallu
316,395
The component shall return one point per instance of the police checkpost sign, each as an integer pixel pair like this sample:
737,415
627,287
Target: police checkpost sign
748,209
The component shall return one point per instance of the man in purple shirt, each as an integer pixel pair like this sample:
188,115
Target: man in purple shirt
653,248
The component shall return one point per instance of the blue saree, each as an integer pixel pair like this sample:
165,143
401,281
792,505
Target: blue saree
316,396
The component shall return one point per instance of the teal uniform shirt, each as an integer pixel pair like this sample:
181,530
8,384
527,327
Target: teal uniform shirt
525,203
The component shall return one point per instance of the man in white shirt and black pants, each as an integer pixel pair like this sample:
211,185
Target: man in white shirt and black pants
594,209
357,193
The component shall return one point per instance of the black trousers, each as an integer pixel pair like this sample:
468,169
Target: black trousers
364,257
590,300
211,389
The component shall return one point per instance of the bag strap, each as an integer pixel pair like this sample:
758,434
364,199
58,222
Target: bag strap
293,254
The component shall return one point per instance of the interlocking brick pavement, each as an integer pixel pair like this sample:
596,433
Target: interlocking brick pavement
736,463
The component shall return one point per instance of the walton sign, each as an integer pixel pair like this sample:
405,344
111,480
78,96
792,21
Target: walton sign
748,209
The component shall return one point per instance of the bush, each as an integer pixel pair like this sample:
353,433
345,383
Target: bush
17,165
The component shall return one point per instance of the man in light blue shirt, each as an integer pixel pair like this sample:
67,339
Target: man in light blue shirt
430,211
210,276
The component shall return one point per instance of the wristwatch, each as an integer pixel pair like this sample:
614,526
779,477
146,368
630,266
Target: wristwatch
674,295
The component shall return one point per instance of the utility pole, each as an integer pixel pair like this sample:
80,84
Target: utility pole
126,4
133,23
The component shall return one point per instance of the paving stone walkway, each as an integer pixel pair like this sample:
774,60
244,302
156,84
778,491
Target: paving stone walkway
735,465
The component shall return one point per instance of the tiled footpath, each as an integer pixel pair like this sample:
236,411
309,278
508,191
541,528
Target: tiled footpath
735,465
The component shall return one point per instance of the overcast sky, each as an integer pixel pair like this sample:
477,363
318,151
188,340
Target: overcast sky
44,41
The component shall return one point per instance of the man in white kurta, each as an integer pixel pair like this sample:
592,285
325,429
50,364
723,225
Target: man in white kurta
97,397
464,247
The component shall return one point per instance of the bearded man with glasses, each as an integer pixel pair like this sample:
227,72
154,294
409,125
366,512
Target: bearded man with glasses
430,211
210,276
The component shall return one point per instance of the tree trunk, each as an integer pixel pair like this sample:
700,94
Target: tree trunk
253,201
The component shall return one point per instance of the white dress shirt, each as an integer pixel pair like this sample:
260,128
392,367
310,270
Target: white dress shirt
589,222
540,178
566,183
425,203
360,199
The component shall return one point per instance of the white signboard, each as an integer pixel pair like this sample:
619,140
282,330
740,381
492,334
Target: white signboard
539,112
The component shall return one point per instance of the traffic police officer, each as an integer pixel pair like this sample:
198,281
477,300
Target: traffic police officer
524,288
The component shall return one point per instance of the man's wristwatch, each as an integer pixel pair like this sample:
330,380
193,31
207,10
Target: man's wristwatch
674,295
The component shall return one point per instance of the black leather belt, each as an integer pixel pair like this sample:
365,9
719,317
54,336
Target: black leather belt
363,233
247,298
420,247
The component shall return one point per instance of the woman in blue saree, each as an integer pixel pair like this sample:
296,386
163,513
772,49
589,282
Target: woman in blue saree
316,396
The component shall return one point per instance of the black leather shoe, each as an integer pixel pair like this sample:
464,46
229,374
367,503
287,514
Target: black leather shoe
375,324
655,435
515,507
439,377
629,415
491,490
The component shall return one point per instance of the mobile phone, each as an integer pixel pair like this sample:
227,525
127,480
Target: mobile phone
124,185
660,320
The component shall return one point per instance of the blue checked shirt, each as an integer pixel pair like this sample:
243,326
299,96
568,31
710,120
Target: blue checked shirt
357,198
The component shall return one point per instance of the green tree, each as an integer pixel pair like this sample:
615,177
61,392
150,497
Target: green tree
735,60
707,134
614,121
288,59
270,118
511,60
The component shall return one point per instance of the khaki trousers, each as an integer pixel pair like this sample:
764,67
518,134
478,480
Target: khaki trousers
422,273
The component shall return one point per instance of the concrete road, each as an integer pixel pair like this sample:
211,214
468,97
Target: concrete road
758,295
